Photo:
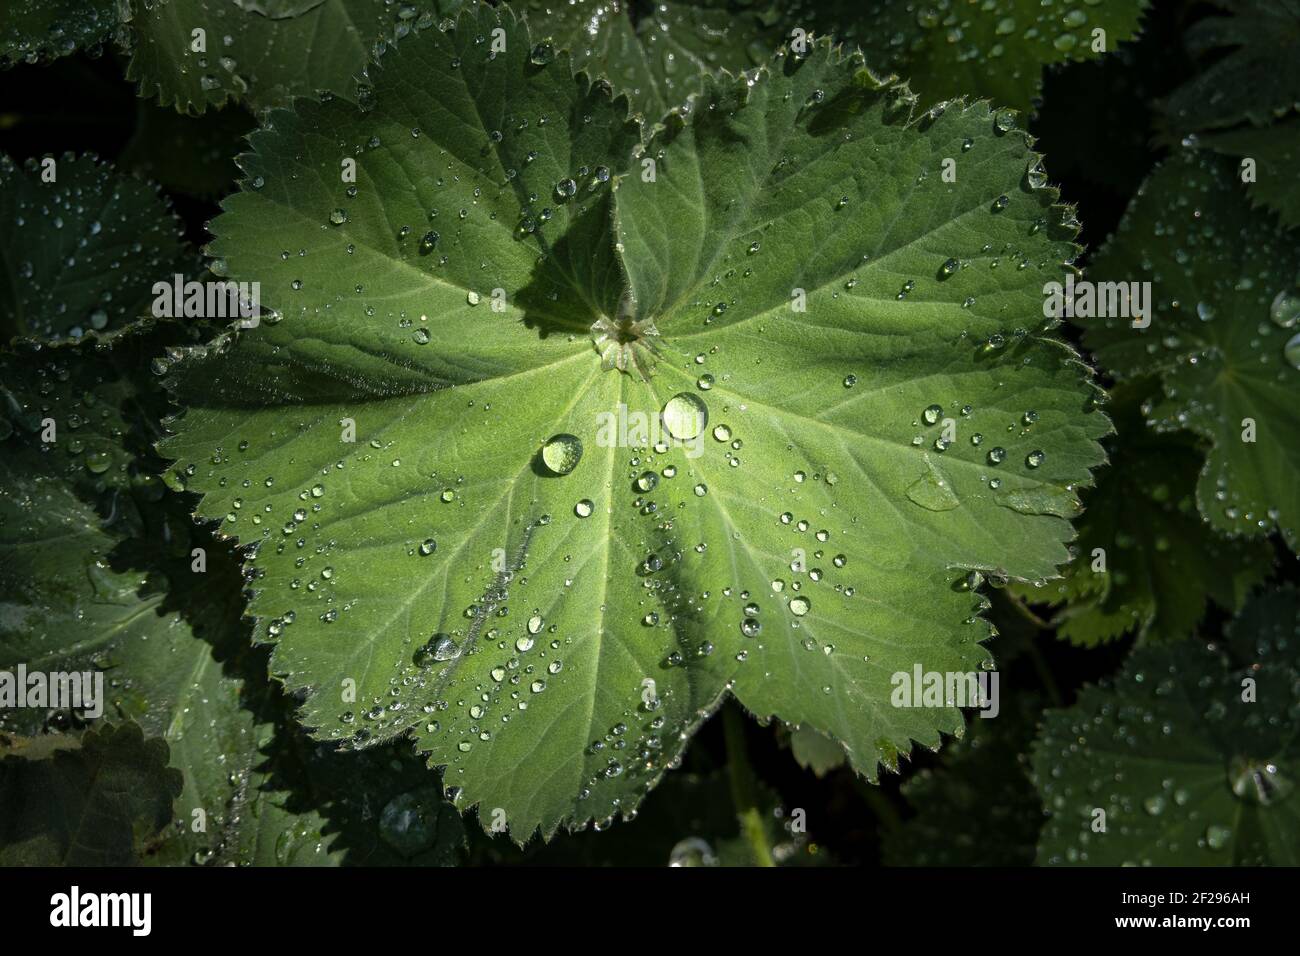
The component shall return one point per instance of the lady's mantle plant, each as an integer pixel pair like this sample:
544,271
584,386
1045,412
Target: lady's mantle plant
566,427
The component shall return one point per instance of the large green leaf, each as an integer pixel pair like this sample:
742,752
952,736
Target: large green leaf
506,605
35,31
82,252
1187,770
262,61
1160,563
1256,81
1223,337
95,804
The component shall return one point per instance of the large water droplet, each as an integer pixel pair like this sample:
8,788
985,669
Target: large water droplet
1259,781
1291,351
685,415
561,453
1285,310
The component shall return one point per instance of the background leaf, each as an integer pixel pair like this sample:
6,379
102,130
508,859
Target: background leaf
92,805
994,49
35,31
1253,75
1276,152
977,807
1187,772
82,253
261,61
1163,564
1222,339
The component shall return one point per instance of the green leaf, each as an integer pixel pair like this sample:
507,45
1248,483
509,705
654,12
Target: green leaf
1264,625
1256,81
185,154
82,252
977,48
1222,338
977,807
657,54
36,31
1276,153
814,751
506,598
90,539
99,574
93,805
993,49
279,9
261,61
1188,771
1160,564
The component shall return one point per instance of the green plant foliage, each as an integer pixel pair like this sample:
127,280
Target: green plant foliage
1223,337
977,807
81,253
36,31
1275,151
95,804
656,54
462,412
1189,755
1160,563
299,50
814,751
1253,74
979,48
101,576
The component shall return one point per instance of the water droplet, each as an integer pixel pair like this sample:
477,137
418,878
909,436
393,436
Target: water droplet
1285,310
692,852
684,416
561,453
1291,351
1217,837
583,508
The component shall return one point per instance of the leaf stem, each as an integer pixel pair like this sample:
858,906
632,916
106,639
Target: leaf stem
1023,609
743,788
